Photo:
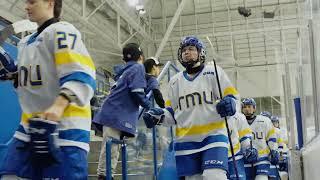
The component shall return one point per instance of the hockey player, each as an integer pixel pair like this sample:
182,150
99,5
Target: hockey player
282,167
120,110
56,80
264,140
241,136
266,114
201,136
152,67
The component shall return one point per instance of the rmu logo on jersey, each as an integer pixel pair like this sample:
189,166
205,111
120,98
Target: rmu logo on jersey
258,135
195,98
208,72
31,75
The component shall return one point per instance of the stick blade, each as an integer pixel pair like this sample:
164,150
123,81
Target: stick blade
15,28
5,33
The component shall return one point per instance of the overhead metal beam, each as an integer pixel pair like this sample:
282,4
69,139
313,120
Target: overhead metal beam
104,52
257,30
95,10
91,26
84,8
234,9
164,17
195,16
119,29
171,26
125,42
14,4
131,21
9,15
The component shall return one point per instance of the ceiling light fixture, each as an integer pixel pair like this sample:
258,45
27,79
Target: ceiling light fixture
133,2
244,11
140,9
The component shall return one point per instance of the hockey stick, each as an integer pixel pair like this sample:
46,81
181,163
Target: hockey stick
251,146
226,121
225,118
15,28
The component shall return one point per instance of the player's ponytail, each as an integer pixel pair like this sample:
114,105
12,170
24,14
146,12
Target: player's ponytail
57,8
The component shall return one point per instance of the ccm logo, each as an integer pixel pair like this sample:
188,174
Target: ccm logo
209,72
208,162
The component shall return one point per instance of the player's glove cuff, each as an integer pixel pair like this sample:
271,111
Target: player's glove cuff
274,157
226,106
6,62
251,155
44,151
153,117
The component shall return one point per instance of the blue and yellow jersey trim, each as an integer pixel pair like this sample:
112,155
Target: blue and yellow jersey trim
200,129
279,140
264,152
72,110
236,149
230,90
74,126
181,146
168,103
68,57
79,67
271,134
244,133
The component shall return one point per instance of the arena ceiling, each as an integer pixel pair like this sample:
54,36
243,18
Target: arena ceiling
271,32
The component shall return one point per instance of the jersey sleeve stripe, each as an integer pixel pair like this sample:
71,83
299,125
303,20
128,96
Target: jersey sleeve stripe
75,135
236,149
272,140
67,57
211,146
26,116
66,69
71,111
168,103
244,132
200,129
263,152
81,77
74,110
75,123
271,133
245,138
230,90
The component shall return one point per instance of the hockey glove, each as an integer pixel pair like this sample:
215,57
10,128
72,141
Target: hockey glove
153,116
274,157
283,163
7,65
226,106
283,166
44,151
251,155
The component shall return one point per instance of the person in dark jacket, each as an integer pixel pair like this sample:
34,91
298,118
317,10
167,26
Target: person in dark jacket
152,67
120,110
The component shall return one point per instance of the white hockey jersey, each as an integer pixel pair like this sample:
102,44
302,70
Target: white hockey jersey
241,134
283,148
199,127
264,138
280,141
55,59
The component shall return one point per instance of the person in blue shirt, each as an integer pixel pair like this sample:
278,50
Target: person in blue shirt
152,67
119,112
